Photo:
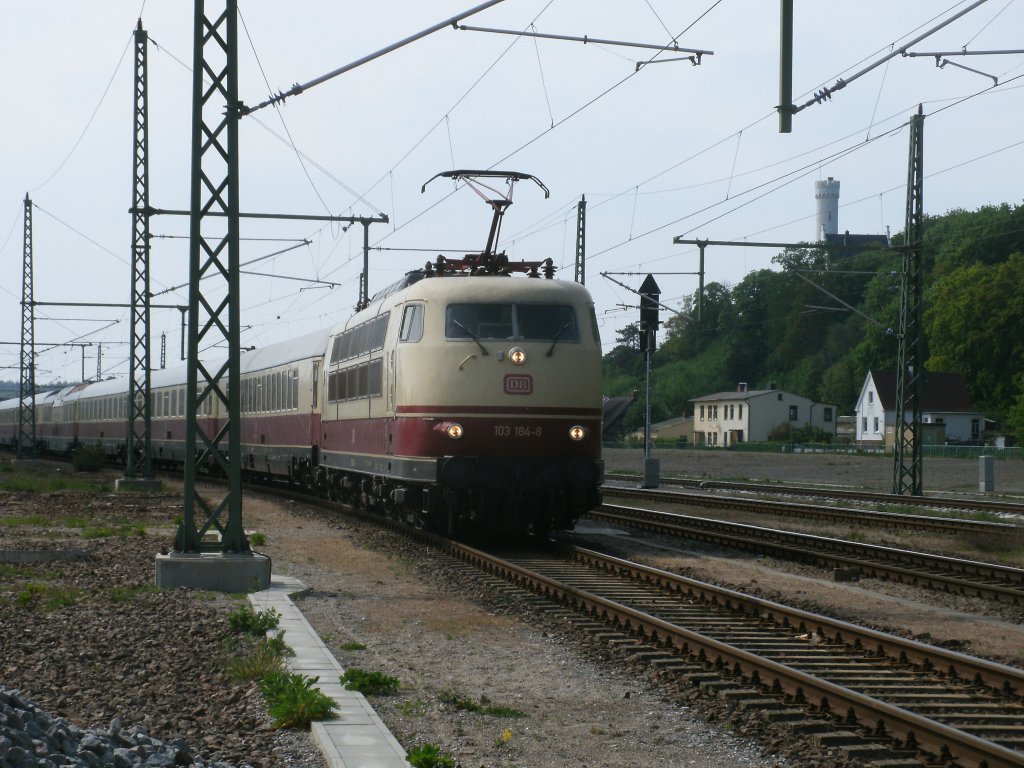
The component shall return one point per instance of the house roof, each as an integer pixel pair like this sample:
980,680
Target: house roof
943,391
671,422
733,394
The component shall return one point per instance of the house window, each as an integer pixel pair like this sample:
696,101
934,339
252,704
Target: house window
792,413
827,415
714,412
732,411
741,410
975,429
871,397
702,413
864,424
875,424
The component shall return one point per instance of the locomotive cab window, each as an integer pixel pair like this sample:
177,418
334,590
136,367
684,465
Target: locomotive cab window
412,323
527,322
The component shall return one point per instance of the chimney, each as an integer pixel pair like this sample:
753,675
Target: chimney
773,386
742,387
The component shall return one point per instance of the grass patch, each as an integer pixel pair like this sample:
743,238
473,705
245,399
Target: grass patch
121,594
293,702
47,597
482,707
429,756
370,683
353,647
8,571
262,659
27,483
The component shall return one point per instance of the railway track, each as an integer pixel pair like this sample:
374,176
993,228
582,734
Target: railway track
949,574
941,706
890,499
875,695
818,512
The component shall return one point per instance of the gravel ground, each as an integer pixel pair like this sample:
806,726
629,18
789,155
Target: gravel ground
123,650
383,605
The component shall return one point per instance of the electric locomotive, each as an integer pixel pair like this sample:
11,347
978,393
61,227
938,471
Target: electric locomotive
465,398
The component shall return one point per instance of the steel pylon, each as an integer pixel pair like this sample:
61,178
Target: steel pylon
26,446
212,405
907,464
139,449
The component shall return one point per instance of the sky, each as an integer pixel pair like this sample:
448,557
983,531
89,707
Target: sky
665,150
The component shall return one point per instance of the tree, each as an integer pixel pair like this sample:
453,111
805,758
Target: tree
975,325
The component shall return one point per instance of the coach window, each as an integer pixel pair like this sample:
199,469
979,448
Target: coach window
412,323
379,331
174,402
316,383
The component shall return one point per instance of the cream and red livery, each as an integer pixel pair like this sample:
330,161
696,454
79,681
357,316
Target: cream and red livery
466,396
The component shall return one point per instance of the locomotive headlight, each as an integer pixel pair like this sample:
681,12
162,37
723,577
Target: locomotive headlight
517,356
577,433
454,430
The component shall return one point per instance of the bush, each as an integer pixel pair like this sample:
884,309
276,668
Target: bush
293,702
88,458
253,622
369,683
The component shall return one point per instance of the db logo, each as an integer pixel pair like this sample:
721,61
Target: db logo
518,384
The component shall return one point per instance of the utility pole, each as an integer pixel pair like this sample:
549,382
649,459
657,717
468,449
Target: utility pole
139,459
650,295
26,447
786,107
907,464
581,241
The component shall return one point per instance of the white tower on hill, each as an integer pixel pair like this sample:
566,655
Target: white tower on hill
826,193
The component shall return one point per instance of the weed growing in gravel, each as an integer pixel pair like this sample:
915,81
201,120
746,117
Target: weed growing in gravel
263,659
503,738
258,538
49,598
353,647
251,622
483,707
429,756
293,702
413,708
12,572
369,683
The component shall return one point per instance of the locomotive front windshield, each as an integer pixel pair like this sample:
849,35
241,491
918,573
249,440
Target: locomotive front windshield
526,322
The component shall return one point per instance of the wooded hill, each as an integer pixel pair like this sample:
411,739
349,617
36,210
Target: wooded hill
775,326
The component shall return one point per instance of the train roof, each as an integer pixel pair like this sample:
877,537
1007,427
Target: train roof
416,286
301,348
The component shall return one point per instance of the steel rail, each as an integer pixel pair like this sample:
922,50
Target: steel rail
966,577
816,512
967,505
881,718
845,706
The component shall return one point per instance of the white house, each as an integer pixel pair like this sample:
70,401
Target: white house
946,406
748,415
